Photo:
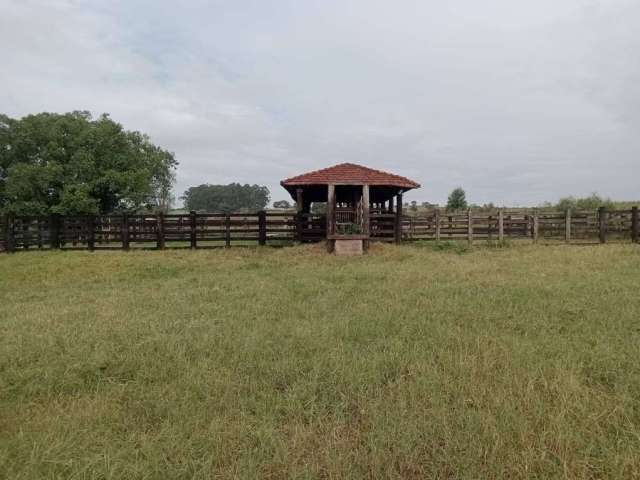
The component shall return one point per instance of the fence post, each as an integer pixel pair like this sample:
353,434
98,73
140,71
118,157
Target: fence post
10,244
193,241
227,230
602,224
91,234
535,227
54,231
567,225
437,220
469,227
300,209
262,227
24,225
635,227
124,231
501,225
160,231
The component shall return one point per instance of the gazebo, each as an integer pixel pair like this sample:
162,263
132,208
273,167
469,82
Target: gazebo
352,193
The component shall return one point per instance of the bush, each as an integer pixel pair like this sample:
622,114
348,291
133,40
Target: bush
592,202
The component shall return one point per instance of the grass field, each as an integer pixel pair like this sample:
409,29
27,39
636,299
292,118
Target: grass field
411,362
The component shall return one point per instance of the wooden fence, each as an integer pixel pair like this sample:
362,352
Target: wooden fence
581,226
209,230
193,230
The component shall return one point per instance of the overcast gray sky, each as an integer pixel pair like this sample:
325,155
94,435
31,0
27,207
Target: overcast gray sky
518,101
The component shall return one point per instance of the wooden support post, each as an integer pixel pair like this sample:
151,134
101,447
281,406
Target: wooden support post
299,213
501,225
365,210
535,227
262,227
567,225
390,209
124,231
635,225
602,224
398,222
469,226
331,205
91,232
54,230
437,220
227,230
160,231
193,238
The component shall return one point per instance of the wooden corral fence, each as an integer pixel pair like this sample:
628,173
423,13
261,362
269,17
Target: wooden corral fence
581,226
209,230
192,230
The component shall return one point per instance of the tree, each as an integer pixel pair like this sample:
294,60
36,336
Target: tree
72,164
281,204
226,198
414,206
457,199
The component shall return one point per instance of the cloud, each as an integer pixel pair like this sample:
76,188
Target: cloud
518,102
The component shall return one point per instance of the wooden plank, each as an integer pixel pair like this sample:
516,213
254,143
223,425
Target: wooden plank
635,225
470,227
535,227
501,225
567,225
227,231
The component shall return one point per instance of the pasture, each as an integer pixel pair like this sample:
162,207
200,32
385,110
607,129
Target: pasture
410,362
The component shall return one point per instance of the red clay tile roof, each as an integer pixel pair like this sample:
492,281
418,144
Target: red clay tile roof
350,173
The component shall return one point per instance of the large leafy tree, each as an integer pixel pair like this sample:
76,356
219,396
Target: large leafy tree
74,164
226,198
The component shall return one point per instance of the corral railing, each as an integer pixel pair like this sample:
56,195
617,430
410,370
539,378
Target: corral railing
192,230
581,226
208,230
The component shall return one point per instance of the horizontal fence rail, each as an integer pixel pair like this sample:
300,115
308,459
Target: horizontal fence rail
210,230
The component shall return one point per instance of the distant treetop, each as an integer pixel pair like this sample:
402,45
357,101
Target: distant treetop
226,198
457,199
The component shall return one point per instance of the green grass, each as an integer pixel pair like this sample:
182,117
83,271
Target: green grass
411,362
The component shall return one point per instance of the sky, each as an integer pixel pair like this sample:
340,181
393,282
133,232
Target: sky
517,101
